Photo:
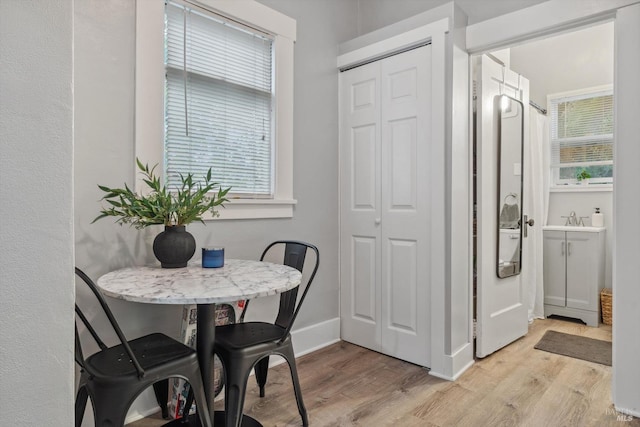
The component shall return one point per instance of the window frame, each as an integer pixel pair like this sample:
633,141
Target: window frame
570,185
149,97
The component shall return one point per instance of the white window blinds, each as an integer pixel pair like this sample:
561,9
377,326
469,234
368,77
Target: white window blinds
218,101
582,137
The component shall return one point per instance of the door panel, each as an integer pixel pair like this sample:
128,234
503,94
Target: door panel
363,298
401,285
405,105
360,205
501,307
402,152
364,169
554,259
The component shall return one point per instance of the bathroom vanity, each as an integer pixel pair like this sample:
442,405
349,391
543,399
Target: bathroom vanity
574,272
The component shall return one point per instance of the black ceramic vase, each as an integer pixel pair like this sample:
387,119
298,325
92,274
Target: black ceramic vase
174,246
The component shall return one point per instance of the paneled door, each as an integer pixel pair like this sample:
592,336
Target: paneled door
384,185
501,306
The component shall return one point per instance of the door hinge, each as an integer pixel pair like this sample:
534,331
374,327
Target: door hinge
475,328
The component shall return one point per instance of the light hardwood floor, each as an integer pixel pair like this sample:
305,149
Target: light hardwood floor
346,385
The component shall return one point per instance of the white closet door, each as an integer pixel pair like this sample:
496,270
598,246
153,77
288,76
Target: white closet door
384,247
360,205
405,133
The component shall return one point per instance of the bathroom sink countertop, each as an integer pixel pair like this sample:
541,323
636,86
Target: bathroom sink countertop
573,228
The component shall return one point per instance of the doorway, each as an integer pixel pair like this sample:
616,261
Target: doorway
574,62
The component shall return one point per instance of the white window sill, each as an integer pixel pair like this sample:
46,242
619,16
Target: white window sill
255,209
581,188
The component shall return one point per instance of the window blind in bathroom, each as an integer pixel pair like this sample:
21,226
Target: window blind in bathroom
582,137
218,100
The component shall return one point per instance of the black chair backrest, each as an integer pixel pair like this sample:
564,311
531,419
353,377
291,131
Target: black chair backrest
78,347
294,256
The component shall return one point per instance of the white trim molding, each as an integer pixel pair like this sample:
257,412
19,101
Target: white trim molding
544,19
393,44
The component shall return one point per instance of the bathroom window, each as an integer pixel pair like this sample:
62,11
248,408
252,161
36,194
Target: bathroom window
582,138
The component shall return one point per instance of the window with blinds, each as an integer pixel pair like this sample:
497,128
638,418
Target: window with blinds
218,101
582,138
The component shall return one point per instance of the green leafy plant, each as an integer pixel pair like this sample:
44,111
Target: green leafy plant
583,174
181,206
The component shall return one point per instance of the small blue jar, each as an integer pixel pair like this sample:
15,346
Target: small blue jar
212,257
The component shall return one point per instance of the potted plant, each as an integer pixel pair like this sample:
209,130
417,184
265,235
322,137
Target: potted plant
583,175
175,208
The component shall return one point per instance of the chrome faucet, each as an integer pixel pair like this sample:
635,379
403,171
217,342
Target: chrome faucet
573,219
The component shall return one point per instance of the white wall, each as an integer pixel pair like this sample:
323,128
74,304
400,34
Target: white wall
571,61
626,270
374,14
36,233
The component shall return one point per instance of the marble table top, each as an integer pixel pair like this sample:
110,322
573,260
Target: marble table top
238,279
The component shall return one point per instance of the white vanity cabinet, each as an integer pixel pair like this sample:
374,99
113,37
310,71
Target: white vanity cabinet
574,272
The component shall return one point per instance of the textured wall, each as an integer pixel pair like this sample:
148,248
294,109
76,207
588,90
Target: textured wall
36,240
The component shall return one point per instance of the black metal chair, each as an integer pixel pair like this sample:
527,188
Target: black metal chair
114,376
245,345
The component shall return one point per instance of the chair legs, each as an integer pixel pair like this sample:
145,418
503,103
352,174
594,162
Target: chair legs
237,374
81,404
261,369
235,388
291,361
197,390
161,390
111,406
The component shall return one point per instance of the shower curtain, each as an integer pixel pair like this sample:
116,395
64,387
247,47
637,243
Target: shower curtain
537,202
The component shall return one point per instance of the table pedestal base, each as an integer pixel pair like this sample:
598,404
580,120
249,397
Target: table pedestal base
218,421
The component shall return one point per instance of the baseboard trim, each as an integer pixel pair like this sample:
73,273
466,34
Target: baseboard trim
625,413
305,340
314,337
456,364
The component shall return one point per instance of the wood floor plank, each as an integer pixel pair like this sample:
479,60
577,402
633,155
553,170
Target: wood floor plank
346,386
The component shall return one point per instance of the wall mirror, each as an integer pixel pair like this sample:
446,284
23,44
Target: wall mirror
510,122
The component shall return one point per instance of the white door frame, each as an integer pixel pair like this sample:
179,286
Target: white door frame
554,17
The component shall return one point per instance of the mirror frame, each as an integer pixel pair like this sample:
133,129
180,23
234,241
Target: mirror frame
503,142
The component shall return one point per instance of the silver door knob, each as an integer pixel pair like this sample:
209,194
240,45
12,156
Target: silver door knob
377,221
528,222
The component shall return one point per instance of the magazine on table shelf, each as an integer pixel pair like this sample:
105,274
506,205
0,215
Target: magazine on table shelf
179,389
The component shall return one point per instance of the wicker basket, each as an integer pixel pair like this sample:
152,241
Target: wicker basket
606,301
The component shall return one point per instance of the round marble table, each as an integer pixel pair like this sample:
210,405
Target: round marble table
237,280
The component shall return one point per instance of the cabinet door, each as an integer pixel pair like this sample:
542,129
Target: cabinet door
555,276
583,266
